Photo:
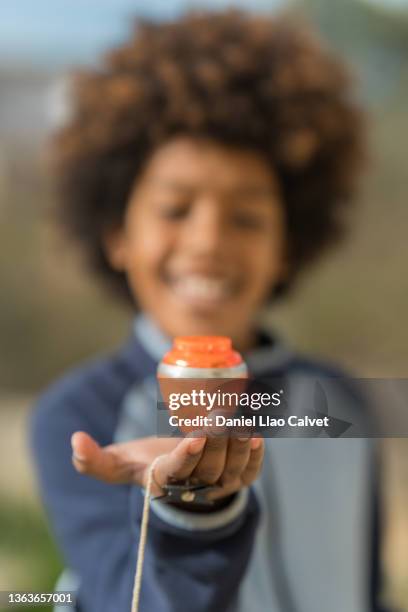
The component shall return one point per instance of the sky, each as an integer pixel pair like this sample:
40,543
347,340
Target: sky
64,31
61,32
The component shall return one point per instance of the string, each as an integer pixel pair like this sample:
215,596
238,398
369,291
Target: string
143,536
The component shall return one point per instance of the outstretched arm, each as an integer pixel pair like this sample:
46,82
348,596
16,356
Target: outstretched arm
188,563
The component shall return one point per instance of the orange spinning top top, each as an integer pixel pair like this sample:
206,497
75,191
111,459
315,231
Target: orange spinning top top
202,352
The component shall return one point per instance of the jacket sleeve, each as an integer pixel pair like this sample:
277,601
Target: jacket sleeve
188,564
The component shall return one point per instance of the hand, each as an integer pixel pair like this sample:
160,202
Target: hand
227,463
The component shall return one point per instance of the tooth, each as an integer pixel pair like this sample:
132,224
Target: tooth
203,288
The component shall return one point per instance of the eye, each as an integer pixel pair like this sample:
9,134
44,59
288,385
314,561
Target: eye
173,211
247,219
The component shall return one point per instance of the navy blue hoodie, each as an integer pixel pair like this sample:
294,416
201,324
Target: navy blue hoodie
304,538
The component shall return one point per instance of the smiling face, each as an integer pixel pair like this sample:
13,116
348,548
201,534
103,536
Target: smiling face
203,239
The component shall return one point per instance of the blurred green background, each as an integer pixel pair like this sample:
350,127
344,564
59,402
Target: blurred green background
351,308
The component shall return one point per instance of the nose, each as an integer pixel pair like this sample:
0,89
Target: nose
205,232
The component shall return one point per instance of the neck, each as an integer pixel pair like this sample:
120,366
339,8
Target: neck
148,329
245,342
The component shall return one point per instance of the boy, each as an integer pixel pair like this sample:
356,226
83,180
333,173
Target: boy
206,163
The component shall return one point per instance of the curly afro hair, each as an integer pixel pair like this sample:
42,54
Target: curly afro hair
243,80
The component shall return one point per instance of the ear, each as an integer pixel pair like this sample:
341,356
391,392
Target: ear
114,245
284,267
281,283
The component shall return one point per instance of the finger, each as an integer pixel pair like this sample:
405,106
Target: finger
103,463
238,452
211,464
179,463
83,446
88,457
254,464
